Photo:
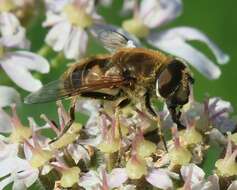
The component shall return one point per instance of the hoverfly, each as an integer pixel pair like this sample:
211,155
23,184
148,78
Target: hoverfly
132,73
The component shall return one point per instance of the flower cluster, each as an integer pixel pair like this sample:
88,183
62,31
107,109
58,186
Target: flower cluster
120,149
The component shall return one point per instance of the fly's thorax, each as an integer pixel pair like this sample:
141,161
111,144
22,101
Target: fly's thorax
139,63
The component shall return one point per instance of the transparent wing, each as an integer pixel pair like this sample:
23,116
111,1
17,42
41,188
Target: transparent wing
113,38
61,89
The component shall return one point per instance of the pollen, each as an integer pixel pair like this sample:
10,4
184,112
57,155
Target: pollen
77,17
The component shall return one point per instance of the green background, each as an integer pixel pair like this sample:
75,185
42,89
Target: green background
216,18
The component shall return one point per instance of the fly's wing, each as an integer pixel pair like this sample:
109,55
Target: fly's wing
113,38
61,89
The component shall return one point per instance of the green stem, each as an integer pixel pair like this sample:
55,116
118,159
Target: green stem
57,60
44,50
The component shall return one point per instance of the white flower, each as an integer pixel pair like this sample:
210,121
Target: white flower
152,14
219,114
160,178
100,179
8,96
18,64
70,18
14,169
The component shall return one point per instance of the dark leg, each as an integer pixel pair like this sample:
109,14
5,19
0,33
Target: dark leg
148,105
157,118
175,114
100,95
71,120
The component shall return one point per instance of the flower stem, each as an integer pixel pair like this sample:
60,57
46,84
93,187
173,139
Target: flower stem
44,50
56,60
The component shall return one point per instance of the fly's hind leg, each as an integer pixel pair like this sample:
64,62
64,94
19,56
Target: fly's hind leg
156,117
71,119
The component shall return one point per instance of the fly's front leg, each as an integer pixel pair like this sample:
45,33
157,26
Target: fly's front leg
155,117
175,114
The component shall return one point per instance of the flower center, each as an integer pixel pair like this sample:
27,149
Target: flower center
7,5
77,17
136,27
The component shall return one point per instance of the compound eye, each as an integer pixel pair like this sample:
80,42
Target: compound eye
170,78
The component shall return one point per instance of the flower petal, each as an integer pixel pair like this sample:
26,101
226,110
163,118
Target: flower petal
214,180
52,19
12,34
117,177
155,13
233,185
76,43
8,96
171,42
18,64
55,39
160,179
5,122
78,153
5,182
197,173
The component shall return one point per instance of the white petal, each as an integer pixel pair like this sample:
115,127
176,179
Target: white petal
55,39
56,5
18,65
78,152
28,177
76,43
214,180
155,13
160,179
7,150
178,47
197,173
52,19
128,6
12,34
18,185
188,34
8,96
117,177
233,185
5,182
216,104
90,180
5,122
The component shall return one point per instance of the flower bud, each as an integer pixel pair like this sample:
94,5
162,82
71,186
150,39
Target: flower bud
179,156
136,27
67,138
145,148
40,157
70,176
190,136
227,166
136,168
107,146
20,133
